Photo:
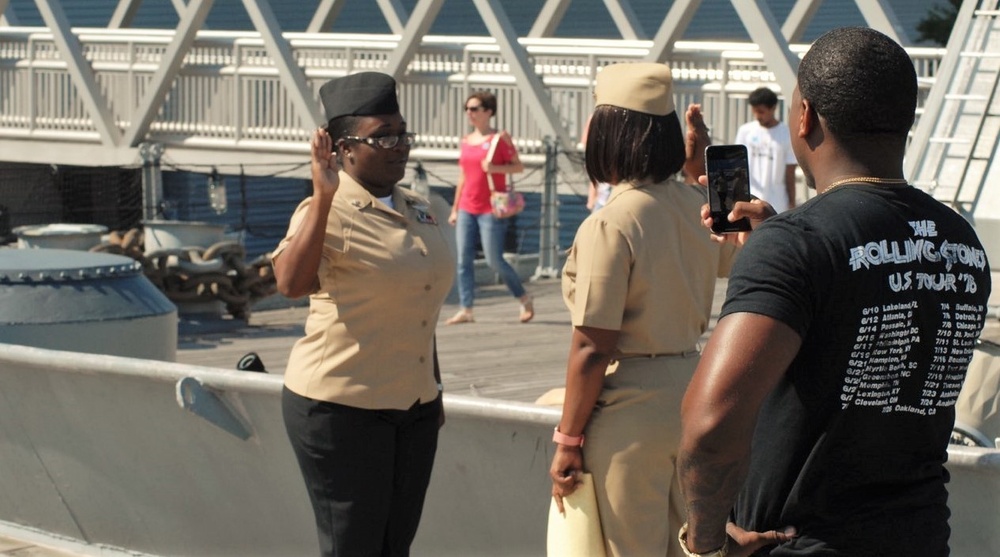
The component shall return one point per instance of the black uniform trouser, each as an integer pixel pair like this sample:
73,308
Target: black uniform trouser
366,471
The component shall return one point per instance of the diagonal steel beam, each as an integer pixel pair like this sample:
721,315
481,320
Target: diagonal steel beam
879,16
5,17
124,14
80,71
764,30
549,18
424,14
394,14
289,72
672,29
126,10
528,81
326,13
628,24
159,85
799,18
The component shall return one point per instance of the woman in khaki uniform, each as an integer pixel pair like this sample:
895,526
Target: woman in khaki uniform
639,282
362,401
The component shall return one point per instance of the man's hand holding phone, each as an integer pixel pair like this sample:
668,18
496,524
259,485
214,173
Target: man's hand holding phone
756,211
728,173
731,212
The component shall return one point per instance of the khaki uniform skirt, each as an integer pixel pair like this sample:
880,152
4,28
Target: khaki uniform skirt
631,450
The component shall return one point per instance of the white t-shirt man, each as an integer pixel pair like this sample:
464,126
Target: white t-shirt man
772,162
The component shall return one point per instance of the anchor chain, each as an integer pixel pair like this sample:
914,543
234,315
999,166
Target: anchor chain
195,274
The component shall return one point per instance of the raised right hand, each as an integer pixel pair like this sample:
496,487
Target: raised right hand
324,164
696,138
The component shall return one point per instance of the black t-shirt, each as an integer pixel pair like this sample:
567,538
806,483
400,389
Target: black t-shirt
888,289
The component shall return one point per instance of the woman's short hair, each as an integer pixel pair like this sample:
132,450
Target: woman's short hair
628,146
339,128
486,99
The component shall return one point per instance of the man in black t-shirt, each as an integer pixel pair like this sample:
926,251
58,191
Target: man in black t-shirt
819,416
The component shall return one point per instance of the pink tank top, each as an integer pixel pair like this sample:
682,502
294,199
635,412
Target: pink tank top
476,191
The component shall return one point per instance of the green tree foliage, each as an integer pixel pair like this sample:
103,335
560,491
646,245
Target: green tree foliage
936,27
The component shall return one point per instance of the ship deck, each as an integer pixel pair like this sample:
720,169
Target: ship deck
495,357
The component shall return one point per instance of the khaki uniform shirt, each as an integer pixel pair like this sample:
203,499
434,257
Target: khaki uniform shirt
384,274
645,266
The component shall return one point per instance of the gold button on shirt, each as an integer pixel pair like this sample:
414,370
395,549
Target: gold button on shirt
383,276
645,266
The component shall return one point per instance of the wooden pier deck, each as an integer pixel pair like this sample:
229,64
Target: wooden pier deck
494,357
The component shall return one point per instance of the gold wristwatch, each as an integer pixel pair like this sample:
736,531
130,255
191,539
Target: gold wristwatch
682,538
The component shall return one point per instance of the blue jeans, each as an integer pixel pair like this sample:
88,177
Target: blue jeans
491,232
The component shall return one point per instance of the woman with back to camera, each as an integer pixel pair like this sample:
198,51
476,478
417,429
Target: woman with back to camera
362,397
472,212
639,282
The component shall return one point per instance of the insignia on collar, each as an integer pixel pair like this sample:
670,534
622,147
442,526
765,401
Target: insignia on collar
422,210
423,216
356,203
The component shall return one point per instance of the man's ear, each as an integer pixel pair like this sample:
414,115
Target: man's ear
808,119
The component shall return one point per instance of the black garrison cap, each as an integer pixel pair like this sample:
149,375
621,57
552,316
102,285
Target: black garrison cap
359,94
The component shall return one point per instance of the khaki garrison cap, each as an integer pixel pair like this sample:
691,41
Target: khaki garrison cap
640,86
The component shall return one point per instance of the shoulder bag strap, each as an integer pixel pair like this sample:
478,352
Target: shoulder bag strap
494,141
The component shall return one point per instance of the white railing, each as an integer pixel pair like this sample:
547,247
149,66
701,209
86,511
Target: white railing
228,92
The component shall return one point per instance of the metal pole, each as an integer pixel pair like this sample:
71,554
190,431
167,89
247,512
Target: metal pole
548,245
152,179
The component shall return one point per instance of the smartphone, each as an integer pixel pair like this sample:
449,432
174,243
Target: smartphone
728,173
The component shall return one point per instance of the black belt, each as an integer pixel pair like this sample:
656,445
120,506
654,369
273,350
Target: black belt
683,354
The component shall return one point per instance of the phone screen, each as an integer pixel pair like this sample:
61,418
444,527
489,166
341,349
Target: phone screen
728,182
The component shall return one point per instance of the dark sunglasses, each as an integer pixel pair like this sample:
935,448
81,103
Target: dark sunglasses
474,108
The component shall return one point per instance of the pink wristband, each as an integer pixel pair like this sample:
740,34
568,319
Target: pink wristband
567,440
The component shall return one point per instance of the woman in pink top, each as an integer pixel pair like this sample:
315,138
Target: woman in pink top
472,213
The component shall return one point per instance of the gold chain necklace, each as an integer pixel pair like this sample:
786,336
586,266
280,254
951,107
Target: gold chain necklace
891,182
